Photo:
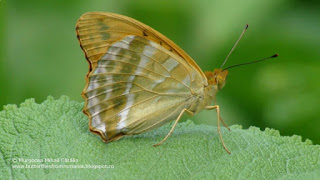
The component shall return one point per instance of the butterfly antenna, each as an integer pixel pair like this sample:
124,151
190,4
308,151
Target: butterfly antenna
234,46
273,56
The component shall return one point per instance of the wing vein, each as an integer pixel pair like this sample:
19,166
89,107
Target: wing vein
125,82
137,103
168,115
133,65
113,97
104,92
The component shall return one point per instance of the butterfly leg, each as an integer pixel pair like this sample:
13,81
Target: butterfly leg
174,125
225,125
219,119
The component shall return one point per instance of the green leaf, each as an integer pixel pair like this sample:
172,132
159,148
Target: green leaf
57,130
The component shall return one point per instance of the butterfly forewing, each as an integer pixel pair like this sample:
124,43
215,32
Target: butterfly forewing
97,30
135,83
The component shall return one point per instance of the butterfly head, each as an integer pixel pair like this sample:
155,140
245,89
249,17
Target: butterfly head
217,78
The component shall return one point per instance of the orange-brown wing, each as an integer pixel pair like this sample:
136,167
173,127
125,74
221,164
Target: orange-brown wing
138,79
97,30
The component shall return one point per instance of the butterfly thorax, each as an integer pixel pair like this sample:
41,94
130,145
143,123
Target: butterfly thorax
216,81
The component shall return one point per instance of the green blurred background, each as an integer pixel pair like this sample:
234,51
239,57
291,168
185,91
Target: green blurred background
40,54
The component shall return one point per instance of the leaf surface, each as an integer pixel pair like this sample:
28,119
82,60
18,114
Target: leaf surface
57,130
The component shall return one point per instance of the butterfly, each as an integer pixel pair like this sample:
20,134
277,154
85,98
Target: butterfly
139,79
